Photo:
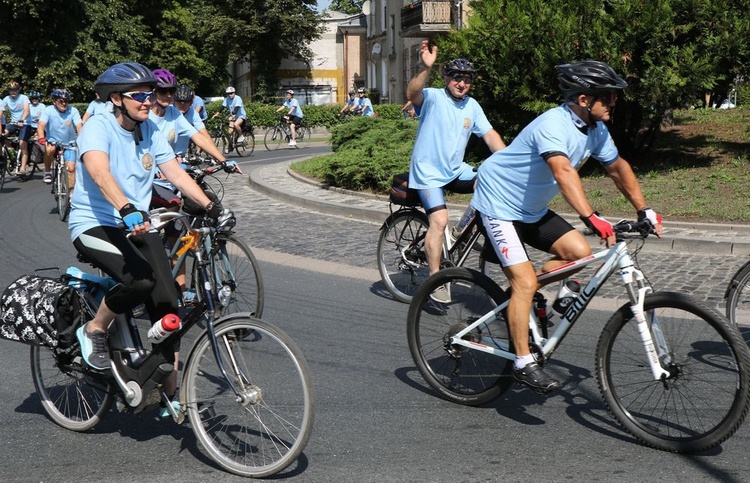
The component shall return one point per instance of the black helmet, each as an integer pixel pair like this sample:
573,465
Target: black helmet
459,65
588,77
123,77
184,93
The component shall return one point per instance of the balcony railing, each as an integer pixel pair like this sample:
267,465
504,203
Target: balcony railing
422,17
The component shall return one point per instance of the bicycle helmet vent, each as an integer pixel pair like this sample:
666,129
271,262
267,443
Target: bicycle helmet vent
184,93
459,65
122,78
230,90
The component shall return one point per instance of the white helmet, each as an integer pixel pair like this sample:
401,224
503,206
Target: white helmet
290,92
230,90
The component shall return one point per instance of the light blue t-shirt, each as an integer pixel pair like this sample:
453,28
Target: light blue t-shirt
15,106
445,126
60,127
366,105
194,119
35,112
174,127
294,103
198,102
233,104
132,165
516,183
99,107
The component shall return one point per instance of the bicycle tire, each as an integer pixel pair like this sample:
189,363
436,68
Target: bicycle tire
303,137
3,165
459,375
267,431
273,138
402,262
62,193
235,266
249,143
738,296
71,397
240,148
705,399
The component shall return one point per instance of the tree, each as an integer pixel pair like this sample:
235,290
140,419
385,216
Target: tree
260,32
669,51
351,7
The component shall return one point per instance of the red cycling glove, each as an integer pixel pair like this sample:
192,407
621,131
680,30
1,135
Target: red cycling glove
601,227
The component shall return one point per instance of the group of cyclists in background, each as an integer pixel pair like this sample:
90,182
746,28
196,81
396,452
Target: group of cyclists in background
358,104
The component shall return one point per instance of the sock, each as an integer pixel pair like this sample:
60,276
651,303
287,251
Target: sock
523,361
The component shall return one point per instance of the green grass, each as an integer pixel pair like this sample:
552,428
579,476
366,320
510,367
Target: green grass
697,170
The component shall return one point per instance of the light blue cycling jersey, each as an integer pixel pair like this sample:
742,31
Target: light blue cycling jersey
516,183
289,103
132,165
194,119
445,126
174,127
366,106
99,107
35,112
198,102
60,127
232,104
15,106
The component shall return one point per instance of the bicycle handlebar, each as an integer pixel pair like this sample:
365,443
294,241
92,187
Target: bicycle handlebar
641,229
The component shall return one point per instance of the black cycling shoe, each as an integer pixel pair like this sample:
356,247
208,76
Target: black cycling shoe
534,377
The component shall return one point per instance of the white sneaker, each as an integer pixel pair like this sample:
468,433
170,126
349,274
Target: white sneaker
48,178
441,295
241,139
293,142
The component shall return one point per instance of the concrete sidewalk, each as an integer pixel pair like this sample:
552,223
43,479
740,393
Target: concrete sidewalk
278,182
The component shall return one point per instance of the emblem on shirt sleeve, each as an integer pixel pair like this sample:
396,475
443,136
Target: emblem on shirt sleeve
148,161
467,123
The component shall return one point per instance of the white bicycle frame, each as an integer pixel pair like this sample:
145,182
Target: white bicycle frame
615,258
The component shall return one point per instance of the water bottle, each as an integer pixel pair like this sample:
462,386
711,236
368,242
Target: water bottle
103,284
568,292
463,222
163,328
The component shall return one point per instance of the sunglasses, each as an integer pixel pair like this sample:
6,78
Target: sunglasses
138,96
468,79
60,100
608,98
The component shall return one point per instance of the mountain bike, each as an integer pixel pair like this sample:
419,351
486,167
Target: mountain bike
220,135
402,261
246,387
672,371
282,133
60,181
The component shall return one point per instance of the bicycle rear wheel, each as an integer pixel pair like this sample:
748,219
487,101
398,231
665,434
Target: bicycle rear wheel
402,262
303,137
237,278
738,296
702,402
268,428
72,398
459,374
273,138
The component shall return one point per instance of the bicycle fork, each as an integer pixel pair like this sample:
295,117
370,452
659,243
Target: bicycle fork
654,344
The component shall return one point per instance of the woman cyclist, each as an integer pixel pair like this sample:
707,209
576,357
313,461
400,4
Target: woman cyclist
120,153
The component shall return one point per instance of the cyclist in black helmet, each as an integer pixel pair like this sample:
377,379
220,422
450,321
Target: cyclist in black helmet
447,118
515,186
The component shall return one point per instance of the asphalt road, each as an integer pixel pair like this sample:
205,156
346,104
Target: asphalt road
375,420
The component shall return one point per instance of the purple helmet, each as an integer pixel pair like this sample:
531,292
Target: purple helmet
165,79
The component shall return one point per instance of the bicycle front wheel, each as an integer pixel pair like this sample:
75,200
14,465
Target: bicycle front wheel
265,429
62,193
237,279
273,138
402,261
458,374
738,297
72,398
705,398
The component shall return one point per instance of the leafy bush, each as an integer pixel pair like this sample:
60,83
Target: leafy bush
368,152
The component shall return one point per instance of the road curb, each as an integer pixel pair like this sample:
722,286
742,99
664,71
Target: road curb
668,243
